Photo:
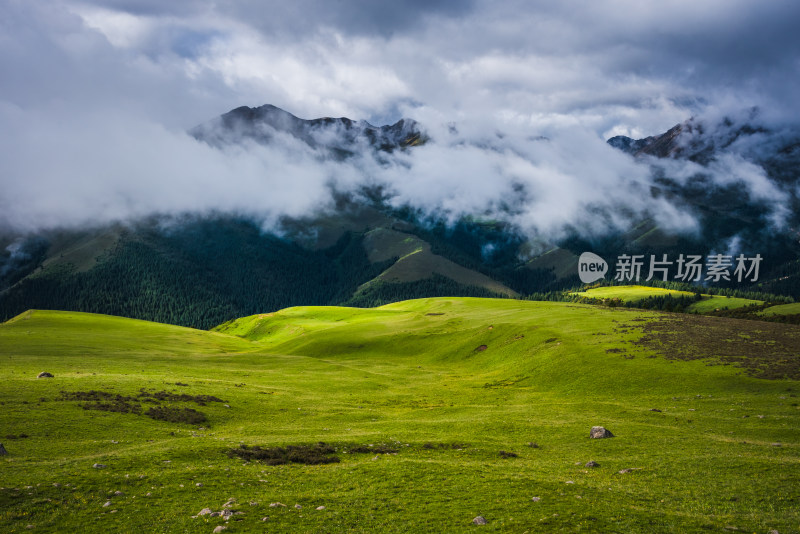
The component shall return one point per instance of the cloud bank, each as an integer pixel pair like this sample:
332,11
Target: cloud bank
98,97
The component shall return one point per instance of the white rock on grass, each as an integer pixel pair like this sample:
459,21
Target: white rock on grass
599,432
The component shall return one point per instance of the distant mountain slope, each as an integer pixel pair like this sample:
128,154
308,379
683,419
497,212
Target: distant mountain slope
201,271
341,136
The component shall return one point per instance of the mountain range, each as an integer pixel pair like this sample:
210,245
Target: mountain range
201,270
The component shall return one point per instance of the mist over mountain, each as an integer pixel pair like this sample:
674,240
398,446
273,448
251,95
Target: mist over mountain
338,211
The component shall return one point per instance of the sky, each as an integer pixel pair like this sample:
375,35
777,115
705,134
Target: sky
96,97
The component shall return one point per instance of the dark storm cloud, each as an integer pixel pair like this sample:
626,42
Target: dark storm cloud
299,17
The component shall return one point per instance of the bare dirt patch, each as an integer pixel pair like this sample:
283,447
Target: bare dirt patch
763,349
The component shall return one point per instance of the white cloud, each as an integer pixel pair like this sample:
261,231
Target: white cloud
97,95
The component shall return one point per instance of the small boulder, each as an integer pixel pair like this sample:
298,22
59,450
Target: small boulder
299,507
107,504
205,511
320,507
44,374
480,520
277,504
3,450
219,529
536,499
598,432
99,466
592,463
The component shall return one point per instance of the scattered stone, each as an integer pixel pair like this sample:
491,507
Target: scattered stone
230,503
277,504
148,494
773,531
569,482
99,466
107,504
320,507
253,503
199,484
118,493
265,518
298,506
536,499
29,527
626,470
655,410
592,463
761,417
480,520
44,374
776,444
598,432
227,405
533,445
219,529
205,511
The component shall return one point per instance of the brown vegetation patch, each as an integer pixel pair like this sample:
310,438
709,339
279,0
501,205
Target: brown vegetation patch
114,402
176,415
319,453
764,349
372,449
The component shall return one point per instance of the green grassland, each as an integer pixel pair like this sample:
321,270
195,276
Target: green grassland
631,293
783,309
709,303
437,388
719,302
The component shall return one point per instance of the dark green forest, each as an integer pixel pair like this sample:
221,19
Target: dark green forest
200,275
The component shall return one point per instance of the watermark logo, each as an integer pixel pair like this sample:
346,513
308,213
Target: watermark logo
591,267
686,268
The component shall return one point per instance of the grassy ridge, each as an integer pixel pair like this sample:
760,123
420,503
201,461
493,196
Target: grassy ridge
447,383
709,303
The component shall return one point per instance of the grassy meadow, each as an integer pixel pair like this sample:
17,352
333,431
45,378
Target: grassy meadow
433,412
709,303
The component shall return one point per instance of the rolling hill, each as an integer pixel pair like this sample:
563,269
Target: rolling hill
482,406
